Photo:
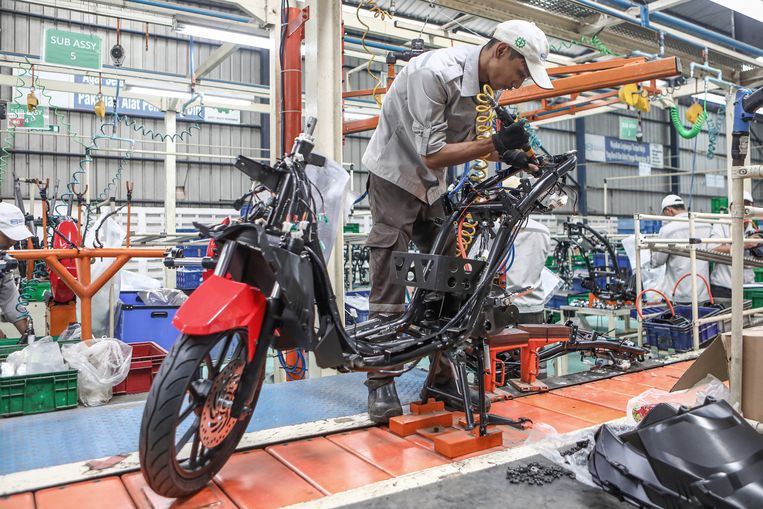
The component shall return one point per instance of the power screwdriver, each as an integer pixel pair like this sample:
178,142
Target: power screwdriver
506,118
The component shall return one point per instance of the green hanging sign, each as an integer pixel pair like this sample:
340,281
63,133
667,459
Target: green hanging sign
72,49
20,117
628,129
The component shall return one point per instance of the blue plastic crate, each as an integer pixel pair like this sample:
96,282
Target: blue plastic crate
137,322
194,250
356,311
188,278
625,226
679,338
651,226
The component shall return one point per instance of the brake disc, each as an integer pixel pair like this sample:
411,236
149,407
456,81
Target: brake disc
216,420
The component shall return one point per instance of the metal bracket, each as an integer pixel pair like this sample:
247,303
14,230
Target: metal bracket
434,272
745,172
297,23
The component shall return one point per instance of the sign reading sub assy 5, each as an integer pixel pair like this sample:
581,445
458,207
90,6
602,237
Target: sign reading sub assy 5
72,49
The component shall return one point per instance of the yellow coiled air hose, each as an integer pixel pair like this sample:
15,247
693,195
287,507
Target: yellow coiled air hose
467,227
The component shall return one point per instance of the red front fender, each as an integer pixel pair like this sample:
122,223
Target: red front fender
220,304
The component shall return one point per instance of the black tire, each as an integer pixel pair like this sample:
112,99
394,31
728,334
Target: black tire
171,389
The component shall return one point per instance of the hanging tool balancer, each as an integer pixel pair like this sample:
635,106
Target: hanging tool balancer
747,103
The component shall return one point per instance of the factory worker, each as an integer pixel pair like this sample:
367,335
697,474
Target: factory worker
427,123
532,247
676,265
12,230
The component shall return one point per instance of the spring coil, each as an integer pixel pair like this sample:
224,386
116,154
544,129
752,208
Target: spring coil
382,15
10,136
713,130
25,295
156,135
685,133
484,125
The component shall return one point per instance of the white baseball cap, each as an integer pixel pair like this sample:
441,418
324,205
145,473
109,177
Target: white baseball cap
530,41
12,222
671,200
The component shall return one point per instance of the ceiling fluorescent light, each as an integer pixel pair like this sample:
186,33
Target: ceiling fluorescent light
226,101
217,34
159,92
746,7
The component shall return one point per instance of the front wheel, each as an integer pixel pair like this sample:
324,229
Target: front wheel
187,433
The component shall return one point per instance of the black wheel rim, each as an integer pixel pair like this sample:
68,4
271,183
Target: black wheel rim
190,456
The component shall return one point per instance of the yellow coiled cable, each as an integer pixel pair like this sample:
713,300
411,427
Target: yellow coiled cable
382,15
484,127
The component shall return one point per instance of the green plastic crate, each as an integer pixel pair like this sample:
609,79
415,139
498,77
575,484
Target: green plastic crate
35,290
34,394
758,275
755,295
719,204
352,228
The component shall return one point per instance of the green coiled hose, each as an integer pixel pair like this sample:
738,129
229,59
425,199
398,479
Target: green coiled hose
688,134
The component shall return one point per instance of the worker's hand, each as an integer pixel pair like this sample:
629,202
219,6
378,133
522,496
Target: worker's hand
511,137
750,245
519,160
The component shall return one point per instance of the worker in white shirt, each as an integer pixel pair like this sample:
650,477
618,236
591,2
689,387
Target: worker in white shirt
720,279
675,265
532,247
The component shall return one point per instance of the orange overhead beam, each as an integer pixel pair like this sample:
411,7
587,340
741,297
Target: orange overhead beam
606,78
586,77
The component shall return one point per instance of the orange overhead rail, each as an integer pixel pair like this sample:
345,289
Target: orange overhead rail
582,78
83,287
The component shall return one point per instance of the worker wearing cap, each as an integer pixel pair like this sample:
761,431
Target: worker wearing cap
12,230
720,279
427,123
676,265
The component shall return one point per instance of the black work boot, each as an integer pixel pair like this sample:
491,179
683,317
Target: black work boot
383,402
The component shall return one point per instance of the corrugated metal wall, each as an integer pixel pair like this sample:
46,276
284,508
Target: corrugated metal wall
207,181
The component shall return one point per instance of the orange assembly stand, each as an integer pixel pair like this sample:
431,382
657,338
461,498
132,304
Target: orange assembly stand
83,287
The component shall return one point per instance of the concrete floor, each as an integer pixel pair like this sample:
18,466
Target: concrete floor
490,488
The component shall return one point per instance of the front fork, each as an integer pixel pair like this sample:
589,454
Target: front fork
253,371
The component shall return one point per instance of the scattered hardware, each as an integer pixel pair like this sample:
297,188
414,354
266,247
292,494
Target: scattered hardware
536,474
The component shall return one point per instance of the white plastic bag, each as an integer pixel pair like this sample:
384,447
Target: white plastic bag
639,406
163,297
135,281
331,179
102,364
71,333
44,356
110,235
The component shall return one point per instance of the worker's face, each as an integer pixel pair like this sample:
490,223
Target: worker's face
5,242
507,69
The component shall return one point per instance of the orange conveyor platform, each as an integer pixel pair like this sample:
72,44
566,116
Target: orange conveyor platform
308,469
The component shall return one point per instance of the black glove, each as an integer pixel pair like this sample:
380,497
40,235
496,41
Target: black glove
511,137
516,158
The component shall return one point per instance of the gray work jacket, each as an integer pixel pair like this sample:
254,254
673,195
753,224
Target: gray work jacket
430,103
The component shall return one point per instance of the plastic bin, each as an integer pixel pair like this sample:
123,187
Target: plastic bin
650,226
679,338
719,204
194,250
35,290
755,295
138,323
188,278
34,394
758,275
356,310
146,360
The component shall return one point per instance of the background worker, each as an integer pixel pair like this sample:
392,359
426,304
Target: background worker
720,279
532,247
427,123
12,230
676,266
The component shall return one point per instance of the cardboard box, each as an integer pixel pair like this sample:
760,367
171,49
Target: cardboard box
714,361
